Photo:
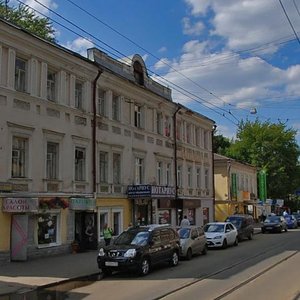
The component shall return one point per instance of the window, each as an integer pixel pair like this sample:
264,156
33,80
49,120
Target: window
206,135
20,75
51,85
188,133
116,108
138,73
189,177
179,176
103,221
19,152
198,136
206,179
79,164
103,158
178,130
139,168
48,229
137,116
198,178
101,102
116,168
167,126
159,172
52,161
78,95
159,123
168,174
116,223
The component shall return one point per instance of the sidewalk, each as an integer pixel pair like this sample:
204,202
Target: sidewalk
29,275
18,277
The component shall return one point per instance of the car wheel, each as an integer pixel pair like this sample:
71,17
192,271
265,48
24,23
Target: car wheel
224,245
189,254
250,237
236,242
144,267
204,251
175,259
285,229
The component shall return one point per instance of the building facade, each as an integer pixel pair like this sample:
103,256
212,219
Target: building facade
89,141
235,187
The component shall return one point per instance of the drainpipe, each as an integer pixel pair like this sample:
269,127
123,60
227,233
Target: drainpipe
214,128
94,125
175,160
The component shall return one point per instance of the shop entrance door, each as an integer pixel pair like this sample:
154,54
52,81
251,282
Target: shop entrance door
19,231
86,230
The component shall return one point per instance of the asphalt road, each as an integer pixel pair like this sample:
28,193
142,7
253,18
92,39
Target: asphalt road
266,267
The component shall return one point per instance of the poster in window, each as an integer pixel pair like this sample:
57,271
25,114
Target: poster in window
164,216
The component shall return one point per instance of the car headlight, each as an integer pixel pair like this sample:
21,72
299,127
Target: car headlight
101,252
130,253
217,237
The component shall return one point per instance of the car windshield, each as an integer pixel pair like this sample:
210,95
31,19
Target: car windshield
132,237
272,220
237,222
214,228
184,233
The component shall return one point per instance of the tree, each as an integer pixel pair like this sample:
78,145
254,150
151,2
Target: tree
271,147
26,18
220,144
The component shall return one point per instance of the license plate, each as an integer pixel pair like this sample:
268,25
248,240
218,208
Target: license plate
111,263
269,228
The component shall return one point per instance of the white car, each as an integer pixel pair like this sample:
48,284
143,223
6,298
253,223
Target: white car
221,234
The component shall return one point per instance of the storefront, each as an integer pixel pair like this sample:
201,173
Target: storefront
152,204
85,222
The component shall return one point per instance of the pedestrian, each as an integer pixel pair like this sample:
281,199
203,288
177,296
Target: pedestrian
107,234
185,222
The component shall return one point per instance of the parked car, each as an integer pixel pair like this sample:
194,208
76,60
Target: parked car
244,225
291,221
297,216
221,234
274,224
139,248
192,241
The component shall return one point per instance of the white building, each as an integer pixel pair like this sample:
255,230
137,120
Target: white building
91,141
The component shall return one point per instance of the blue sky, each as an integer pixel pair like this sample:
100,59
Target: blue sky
222,58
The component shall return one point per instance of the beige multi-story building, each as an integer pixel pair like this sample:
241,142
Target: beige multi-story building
89,141
235,187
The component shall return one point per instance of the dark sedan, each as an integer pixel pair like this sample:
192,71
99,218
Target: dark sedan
274,224
297,216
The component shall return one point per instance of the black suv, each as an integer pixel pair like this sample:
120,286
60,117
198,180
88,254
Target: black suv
244,225
139,248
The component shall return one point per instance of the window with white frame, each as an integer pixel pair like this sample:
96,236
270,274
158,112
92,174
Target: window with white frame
52,160
206,178
80,164
198,177
116,108
101,102
51,85
20,74
139,170
190,177
179,176
103,159
159,172
168,174
137,116
78,94
48,228
19,157
116,168
159,123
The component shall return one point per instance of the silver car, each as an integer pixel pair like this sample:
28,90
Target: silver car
192,241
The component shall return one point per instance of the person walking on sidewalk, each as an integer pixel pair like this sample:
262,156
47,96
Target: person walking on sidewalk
107,234
185,222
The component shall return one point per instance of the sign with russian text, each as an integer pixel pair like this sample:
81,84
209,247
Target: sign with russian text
20,205
82,203
150,191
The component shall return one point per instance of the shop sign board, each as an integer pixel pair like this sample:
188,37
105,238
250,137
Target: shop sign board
19,205
82,203
151,191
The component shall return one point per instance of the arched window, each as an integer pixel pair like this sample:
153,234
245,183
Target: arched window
138,73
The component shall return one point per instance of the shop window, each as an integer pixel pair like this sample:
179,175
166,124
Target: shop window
117,223
48,229
103,221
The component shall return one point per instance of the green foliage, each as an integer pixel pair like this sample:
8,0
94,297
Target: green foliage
272,147
24,17
220,144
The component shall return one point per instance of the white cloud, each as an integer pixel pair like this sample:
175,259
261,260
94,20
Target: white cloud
162,63
79,45
162,49
192,29
35,5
